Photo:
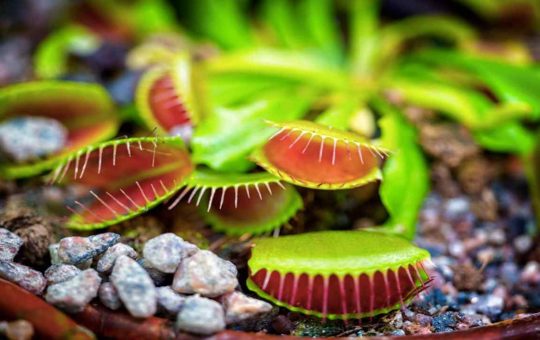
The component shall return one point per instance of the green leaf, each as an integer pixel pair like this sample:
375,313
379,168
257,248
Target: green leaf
511,84
464,105
396,34
509,137
322,25
233,89
229,134
51,58
306,25
224,22
364,35
405,174
287,27
287,65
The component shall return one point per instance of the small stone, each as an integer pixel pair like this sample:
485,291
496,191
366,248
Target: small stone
451,143
74,294
26,277
467,277
489,305
23,139
474,174
206,274
36,239
423,319
200,315
485,207
509,273
135,287
397,332
239,307
169,301
60,272
456,206
9,245
497,237
456,249
17,330
53,252
102,242
443,181
109,296
106,262
159,278
281,324
444,322
75,250
523,243
165,252
531,273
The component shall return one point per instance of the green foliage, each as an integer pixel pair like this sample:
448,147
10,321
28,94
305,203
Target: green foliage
51,57
229,134
405,175
284,61
222,21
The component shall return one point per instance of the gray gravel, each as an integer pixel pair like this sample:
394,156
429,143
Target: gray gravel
206,274
75,250
26,277
109,296
169,301
166,251
9,245
103,241
135,287
106,262
200,315
60,272
239,307
159,278
74,294
53,252
81,250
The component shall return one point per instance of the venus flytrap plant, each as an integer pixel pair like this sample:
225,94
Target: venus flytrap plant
315,156
282,96
85,110
166,97
125,178
238,204
336,274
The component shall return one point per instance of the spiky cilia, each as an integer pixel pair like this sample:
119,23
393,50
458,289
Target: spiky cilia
338,274
125,178
85,110
316,156
165,96
237,204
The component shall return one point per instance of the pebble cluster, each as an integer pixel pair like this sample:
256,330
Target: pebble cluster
173,278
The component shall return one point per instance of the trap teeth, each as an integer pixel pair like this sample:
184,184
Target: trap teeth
315,156
237,204
309,273
166,99
124,178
